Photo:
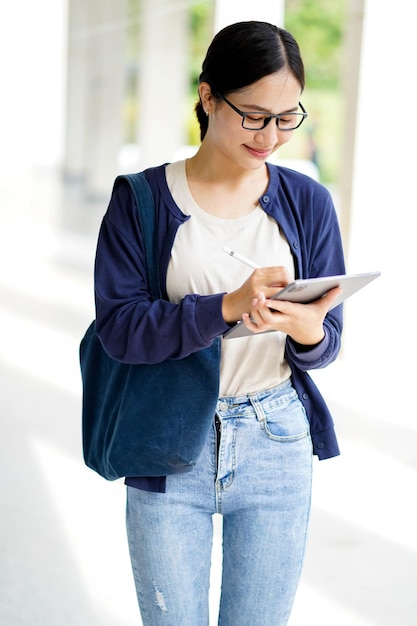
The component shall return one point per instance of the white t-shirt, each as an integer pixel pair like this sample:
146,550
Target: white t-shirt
198,264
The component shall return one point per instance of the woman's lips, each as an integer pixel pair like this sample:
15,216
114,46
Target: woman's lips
256,152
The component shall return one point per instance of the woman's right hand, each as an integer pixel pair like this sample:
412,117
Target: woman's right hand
266,280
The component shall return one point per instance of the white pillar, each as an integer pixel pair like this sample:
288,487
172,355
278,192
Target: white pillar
380,341
77,92
106,98
96,89
163,80
230,11
352,49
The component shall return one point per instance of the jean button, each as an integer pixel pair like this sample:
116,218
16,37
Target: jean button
223,406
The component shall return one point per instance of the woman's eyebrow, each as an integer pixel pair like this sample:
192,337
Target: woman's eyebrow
257,107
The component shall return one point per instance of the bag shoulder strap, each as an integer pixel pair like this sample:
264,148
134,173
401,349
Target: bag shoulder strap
146,212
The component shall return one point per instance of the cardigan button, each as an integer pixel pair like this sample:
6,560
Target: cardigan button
265,199
305,396
321,445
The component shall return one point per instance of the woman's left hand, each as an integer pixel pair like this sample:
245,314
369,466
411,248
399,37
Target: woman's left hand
302,322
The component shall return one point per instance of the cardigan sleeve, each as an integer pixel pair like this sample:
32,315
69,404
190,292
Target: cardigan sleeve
131,327
318,251
323,353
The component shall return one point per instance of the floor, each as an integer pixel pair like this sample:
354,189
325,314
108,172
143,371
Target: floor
63,552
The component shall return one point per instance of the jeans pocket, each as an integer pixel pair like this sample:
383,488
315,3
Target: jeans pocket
285,420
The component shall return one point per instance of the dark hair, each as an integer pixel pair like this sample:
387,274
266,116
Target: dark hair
241,54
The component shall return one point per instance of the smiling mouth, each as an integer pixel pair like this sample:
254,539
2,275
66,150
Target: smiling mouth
258,151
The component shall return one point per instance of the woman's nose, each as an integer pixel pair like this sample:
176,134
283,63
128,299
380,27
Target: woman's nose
269,133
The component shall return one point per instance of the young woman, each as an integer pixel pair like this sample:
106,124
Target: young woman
256,466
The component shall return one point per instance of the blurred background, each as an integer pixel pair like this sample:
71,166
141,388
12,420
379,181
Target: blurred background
94,88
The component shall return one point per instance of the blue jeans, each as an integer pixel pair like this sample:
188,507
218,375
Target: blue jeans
257,474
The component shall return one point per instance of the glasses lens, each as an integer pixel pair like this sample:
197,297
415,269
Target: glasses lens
290,121
257,121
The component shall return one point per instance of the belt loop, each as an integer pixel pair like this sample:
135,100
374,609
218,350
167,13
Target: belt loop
257,407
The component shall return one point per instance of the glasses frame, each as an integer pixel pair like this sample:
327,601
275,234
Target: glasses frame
268,116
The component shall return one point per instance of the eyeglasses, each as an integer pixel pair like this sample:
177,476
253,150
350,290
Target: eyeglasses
257,120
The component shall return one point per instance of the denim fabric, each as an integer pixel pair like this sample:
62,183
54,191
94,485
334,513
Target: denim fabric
259,479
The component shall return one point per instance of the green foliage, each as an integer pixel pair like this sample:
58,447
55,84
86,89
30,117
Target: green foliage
318,27
320,137
201,33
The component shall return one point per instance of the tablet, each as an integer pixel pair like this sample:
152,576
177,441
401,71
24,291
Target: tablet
305,290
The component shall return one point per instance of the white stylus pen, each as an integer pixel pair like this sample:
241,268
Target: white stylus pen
241,258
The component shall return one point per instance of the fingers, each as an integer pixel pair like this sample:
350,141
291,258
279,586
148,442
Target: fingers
303,322
323,304
270,277
262,280
260,318
258,310
253,296
331,296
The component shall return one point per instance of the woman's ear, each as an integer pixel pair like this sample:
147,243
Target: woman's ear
206,97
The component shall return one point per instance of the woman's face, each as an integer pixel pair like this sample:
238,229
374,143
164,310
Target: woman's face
276,93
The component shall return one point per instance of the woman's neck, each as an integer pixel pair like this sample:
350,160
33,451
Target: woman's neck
224,191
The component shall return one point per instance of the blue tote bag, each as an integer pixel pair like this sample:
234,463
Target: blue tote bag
146,420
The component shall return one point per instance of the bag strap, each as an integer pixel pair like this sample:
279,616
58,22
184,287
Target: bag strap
146,212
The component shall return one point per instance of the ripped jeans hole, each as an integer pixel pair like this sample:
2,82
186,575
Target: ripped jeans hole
159,598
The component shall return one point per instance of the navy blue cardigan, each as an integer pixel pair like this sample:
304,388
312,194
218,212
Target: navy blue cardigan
135,330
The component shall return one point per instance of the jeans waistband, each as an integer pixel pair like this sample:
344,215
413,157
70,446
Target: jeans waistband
228,402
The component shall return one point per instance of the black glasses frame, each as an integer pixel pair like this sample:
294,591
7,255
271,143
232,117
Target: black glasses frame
267,116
